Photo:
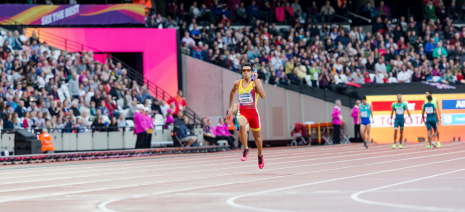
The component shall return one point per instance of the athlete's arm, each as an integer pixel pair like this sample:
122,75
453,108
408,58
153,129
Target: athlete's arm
232,94
259,88
423,114
437,118
408,112
359,120
438,112
392,112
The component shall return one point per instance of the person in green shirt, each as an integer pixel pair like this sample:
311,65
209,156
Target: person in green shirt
435,102
439,51
314,72
399,107
431,120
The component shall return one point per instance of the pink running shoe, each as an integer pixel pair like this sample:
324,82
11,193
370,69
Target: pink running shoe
245,154
261,162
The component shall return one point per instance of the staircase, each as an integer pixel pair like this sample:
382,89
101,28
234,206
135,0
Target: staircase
61,43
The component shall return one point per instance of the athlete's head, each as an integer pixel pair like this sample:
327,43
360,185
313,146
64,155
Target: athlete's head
364,99
429,93
430,98
247,71
399,97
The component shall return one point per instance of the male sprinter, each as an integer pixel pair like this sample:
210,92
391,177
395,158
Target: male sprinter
248,114
366,110
435,102
431,120
399,107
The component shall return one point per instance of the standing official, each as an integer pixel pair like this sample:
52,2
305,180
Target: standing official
140,126
354,115
149,121
337,119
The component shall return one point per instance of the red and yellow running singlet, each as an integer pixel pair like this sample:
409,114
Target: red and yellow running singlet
248,99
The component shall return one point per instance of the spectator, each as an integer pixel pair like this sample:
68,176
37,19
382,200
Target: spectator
222,133
185,135
298,13
178,120
241,13
208,135
177,103
439,51
194,10
370,11
7,124
252,10
430,11
327,12
404,76
382,10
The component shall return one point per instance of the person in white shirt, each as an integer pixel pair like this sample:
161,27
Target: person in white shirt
404,76
381,66
164,107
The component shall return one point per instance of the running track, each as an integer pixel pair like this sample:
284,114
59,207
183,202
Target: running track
325,178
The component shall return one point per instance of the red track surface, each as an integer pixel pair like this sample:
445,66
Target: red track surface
329,178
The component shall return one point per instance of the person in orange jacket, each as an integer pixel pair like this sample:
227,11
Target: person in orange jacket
47,143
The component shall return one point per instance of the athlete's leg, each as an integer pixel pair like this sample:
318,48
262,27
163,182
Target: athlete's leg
430,137
368,127
395,135
243,131
258,141
362,131
401,136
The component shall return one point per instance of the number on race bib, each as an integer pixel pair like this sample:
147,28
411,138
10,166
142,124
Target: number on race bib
364,114
245,99
400,111
429,110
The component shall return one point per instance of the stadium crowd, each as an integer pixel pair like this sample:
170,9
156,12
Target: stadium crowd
316,53
69,92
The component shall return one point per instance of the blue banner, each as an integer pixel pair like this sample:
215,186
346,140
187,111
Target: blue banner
453,119
453,104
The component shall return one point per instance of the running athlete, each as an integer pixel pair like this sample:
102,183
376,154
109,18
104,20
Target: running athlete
435,102
248,114
399,107
366,110
431,120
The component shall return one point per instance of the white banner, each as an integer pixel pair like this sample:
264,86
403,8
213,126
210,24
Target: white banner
386,121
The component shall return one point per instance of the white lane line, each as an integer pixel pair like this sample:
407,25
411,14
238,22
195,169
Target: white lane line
350,160
355,196
207,158
196,162
231,200
181,180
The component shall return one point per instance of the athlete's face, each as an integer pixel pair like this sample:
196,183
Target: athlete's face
399,98
246,72
364,101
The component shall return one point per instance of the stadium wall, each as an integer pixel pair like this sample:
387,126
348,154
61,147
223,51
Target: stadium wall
207,93
158,47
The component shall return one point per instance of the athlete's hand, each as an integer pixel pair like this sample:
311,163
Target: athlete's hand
229,113
256,75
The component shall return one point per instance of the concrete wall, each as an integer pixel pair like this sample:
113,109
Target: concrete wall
207,93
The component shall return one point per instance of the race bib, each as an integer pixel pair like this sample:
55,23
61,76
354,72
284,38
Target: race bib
245,99
400,111
364,114
429,110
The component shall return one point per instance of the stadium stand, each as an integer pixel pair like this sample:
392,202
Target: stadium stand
312,52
